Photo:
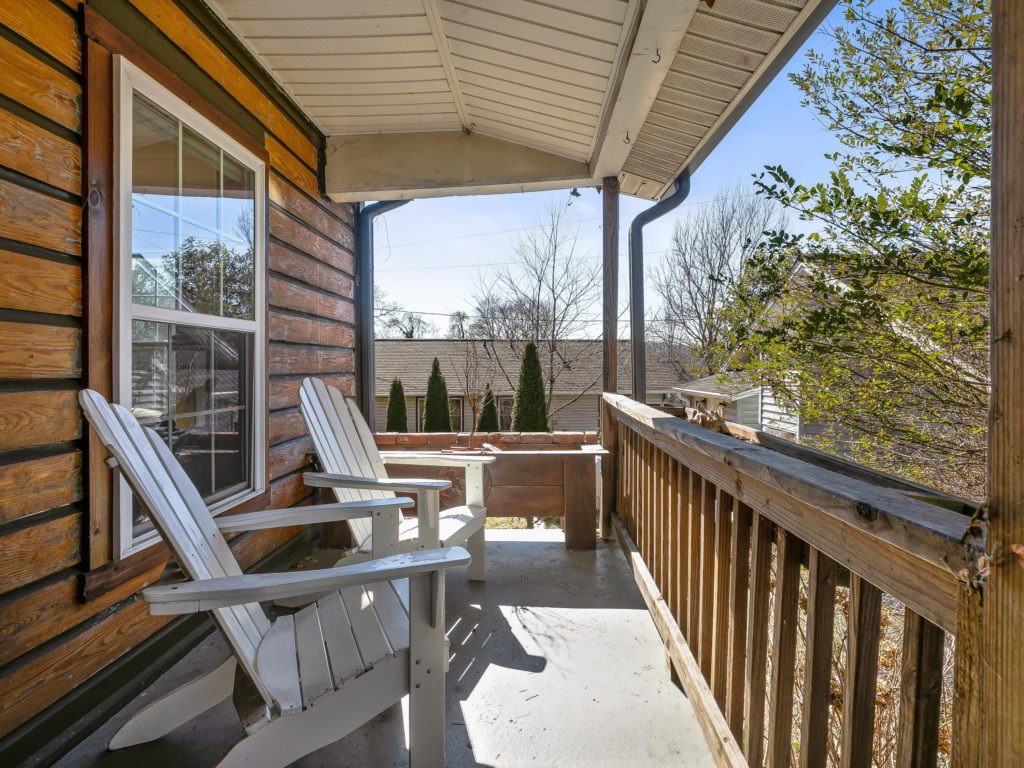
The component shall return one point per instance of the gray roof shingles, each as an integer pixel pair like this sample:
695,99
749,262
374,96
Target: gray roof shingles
410,360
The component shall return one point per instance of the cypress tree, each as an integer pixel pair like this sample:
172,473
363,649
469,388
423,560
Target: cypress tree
530,410
488,421
398,420
436,416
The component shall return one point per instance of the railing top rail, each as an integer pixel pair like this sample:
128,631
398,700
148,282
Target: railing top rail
932,536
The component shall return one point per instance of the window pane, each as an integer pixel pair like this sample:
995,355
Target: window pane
193,227
505,413
455,413
238,234
194,387
154,204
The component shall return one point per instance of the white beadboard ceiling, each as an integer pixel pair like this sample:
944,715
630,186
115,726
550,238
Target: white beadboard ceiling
576,89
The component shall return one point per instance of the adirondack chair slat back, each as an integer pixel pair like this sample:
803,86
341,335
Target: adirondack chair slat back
340,448
179,514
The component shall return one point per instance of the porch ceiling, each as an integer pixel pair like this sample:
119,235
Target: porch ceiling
438,97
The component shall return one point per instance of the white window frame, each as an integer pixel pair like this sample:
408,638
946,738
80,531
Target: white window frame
129,79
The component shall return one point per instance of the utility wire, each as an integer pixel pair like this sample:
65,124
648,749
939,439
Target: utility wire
472,235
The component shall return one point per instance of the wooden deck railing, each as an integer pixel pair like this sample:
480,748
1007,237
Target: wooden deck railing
746,554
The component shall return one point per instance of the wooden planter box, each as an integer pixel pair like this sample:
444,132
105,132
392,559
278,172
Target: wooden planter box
537,482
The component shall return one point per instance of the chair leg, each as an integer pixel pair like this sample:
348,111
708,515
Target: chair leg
426,671
177,707
477,547
332,717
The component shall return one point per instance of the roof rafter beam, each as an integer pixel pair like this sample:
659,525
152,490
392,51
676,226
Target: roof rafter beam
447,62
401,166
662,27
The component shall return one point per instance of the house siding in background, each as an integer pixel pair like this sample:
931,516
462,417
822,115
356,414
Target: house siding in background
575,405
67,608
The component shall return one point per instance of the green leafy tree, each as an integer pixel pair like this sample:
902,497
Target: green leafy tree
877,321
436,416
488,421
397,420
529,411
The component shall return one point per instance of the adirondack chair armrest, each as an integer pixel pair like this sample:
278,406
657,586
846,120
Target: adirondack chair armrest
399,485
318,513
417,459
227,591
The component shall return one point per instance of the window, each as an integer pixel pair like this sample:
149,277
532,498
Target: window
505,413
190,295
454,413
455,409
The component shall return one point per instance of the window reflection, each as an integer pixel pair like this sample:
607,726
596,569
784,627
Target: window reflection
193,228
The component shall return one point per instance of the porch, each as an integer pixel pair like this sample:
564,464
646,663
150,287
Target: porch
529,683
763,571
753,602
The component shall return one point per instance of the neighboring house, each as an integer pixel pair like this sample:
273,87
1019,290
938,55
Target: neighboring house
743,402
575,403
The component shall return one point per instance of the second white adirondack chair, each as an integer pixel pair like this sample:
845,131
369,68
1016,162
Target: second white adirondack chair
355,469
368,635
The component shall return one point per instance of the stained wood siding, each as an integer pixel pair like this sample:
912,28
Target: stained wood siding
66,609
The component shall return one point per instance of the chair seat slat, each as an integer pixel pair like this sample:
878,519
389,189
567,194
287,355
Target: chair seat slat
373,643
278,668
314,671
391,613
342,651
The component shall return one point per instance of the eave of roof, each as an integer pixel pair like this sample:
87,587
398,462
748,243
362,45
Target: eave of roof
435,97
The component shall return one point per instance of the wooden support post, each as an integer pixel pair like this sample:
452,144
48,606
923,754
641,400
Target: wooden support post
610,378
1000,695
610,231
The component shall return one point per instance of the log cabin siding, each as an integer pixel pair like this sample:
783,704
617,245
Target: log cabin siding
67,609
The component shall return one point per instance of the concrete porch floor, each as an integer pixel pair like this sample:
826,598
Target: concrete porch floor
555,662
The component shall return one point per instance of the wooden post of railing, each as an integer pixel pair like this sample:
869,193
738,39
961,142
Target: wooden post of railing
995,681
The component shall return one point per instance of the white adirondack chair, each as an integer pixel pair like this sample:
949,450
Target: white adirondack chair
368,635
355,469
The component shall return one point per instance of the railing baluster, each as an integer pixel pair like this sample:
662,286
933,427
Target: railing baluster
645,500
757,641
784,631
682,546
917,743
666,528
720,641
739,580
861,673
638,505
707,576
693,563
821,610
658,529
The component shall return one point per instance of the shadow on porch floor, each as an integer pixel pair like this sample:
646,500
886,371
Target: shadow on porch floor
555,662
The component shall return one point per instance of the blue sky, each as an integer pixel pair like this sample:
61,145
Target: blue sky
432,255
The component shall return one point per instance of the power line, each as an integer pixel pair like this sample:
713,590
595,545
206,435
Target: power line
542,226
